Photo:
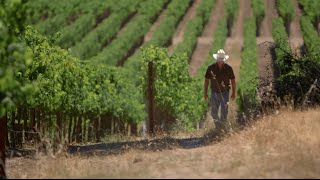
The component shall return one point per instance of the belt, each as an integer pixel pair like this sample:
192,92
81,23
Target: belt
220,91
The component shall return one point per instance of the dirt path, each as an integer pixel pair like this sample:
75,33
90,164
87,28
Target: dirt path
155,25
295,38
271,12
263,45
233,47
178,36
204,43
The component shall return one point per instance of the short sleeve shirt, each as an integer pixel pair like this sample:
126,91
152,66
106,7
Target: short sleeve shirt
220,78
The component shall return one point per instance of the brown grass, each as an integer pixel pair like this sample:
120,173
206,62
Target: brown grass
286,145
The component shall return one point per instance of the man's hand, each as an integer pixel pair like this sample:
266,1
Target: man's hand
206,97
233,96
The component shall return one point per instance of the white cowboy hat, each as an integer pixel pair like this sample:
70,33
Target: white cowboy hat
221,55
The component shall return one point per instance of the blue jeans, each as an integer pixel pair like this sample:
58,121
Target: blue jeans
219,100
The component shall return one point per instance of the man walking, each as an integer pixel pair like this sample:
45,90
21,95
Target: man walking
219,74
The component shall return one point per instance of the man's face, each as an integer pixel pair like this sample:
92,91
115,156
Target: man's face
220,62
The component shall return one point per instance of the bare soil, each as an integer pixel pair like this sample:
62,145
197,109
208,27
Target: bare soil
270,13
295,38
178,36
155,25
264,42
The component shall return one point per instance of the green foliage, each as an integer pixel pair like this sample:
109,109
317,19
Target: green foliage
127,40
56,17
247,86
194,29
175,90
310,35
131,35
258,7
188,109
110,93
204,10
54,71
12,15
285,9
311,9
232,8
40,10
66,85
14,59
73,33
93,39
296,74
93,42
220,37
163,34
160,37
280,37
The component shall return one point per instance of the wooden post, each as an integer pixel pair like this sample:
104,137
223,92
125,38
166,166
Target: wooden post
59,127
74,131
98,128
38,112
150,95
112,126
19,133
25,124
25,118
7,132
134,130
71,117
13,126
78,131
33,117
318,25
3,129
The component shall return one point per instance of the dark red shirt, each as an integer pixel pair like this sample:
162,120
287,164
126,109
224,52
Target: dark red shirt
220,78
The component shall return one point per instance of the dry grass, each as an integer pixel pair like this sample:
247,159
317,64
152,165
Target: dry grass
286,145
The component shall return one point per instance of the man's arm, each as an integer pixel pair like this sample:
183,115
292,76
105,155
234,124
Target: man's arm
233,85
206,84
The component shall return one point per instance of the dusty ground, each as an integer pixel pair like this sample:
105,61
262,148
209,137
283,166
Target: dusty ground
295,38
264,41
286,145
